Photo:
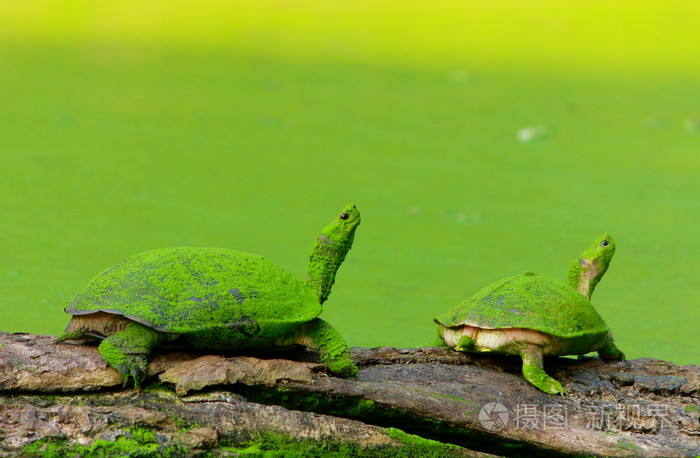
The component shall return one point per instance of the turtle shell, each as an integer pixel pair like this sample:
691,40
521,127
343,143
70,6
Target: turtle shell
528,301
214,297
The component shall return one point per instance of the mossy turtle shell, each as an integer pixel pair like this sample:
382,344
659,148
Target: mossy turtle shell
528,301
221,297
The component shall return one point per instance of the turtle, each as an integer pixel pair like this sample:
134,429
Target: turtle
213,299
532,315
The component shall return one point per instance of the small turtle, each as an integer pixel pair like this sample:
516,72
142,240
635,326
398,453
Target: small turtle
213,299
532,315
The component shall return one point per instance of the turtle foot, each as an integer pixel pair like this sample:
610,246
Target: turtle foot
539,379
607,357
551,386
321,336
127,351
466,344
133,367
343,368
611,353
533,371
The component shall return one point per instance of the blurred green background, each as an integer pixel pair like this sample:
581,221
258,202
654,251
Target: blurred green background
479,139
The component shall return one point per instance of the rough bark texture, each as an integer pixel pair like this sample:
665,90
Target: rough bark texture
57,398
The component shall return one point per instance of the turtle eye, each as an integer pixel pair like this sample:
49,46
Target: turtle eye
604,243
344,216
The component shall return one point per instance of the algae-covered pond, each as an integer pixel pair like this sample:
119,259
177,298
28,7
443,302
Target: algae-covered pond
478,140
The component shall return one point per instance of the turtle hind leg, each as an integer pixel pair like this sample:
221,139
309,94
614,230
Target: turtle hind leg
609,351
533,371
461,338
466,343
127,351
320,336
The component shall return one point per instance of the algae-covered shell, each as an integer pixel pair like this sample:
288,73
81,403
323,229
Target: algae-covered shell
246,298
528,301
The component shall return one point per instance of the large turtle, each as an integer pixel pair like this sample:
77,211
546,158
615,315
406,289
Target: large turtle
213,298
531,315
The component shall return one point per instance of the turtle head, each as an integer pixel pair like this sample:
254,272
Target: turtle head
342,228
587,270
332,246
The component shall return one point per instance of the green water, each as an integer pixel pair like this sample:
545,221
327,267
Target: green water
125,128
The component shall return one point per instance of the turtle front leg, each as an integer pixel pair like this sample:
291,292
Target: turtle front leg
609,351
320,336
533,371
74,331
127,351
73,335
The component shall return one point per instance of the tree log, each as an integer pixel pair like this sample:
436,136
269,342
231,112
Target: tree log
406,402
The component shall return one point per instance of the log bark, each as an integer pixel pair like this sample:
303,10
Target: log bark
426,400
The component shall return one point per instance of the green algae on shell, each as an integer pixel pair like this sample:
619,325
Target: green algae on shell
229,298
528,301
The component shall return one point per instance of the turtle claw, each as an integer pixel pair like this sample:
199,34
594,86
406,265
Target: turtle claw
540,380
610,352
134,367
551,386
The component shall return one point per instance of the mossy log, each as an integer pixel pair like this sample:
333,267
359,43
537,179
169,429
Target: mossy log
62,399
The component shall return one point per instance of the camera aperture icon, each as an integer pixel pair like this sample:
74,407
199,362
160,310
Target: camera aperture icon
493,416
